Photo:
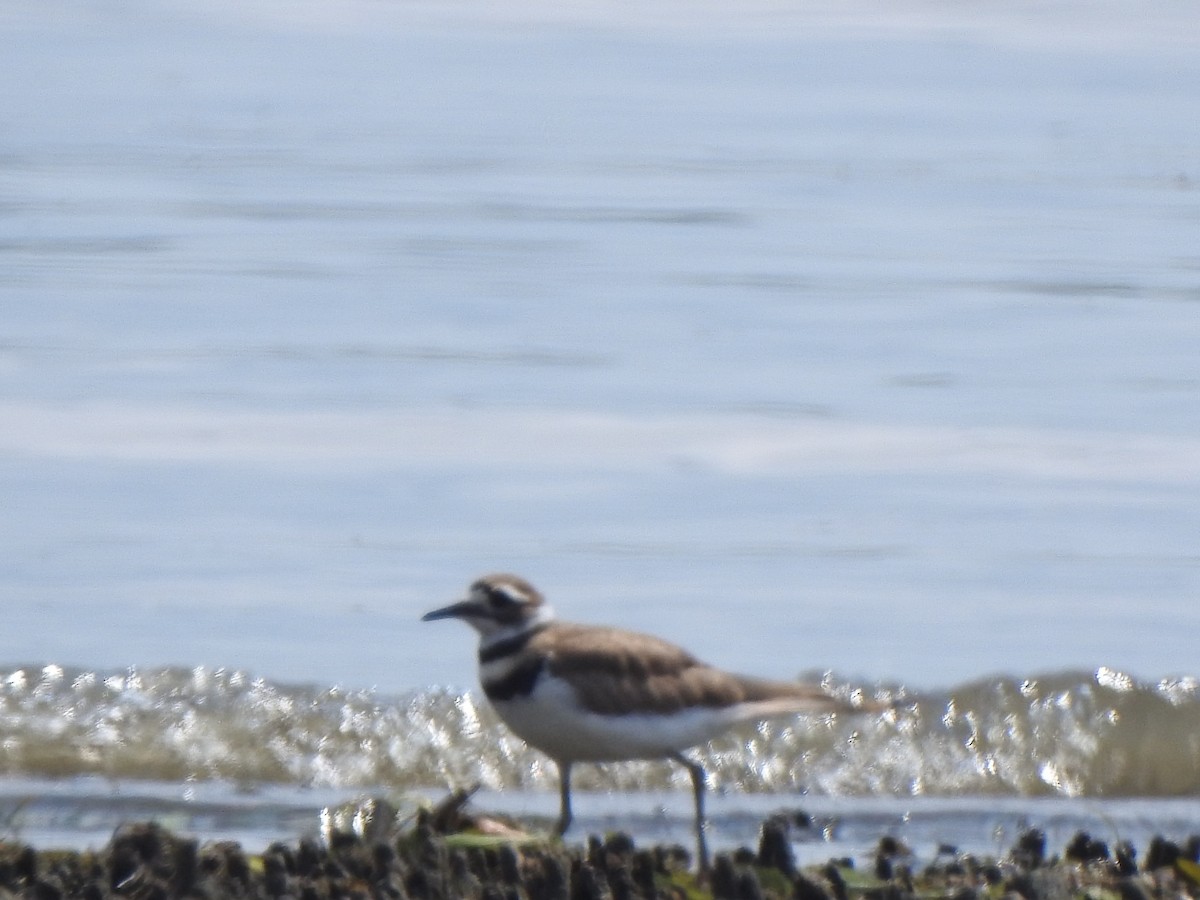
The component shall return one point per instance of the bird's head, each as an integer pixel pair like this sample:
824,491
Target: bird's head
497,603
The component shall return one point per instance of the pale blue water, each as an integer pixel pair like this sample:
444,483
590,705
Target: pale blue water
815,342
814,338
84,813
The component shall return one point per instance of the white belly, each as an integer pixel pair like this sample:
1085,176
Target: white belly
551,720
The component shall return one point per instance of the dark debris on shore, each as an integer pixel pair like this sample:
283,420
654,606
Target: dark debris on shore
444,855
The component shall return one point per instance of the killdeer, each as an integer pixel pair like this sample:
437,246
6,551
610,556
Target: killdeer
583,693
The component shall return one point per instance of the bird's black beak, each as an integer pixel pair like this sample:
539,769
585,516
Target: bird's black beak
463,609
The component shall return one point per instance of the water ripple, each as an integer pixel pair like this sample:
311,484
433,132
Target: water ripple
1068,734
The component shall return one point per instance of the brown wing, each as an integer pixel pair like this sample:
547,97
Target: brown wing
614,671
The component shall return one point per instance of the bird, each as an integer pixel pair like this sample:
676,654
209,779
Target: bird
594,694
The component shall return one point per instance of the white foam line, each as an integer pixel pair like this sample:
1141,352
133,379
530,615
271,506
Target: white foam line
576,441
1048,23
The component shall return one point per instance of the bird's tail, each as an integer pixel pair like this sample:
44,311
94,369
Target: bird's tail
782,698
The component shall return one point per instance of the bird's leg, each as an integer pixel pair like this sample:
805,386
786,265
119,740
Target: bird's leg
564,795
698,778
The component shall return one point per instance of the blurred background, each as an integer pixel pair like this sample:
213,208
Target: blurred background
850,337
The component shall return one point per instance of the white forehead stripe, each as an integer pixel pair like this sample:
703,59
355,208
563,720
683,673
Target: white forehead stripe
511,591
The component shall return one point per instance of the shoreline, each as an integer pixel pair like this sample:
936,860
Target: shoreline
448,851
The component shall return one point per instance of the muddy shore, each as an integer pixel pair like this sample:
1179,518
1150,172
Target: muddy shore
445,853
